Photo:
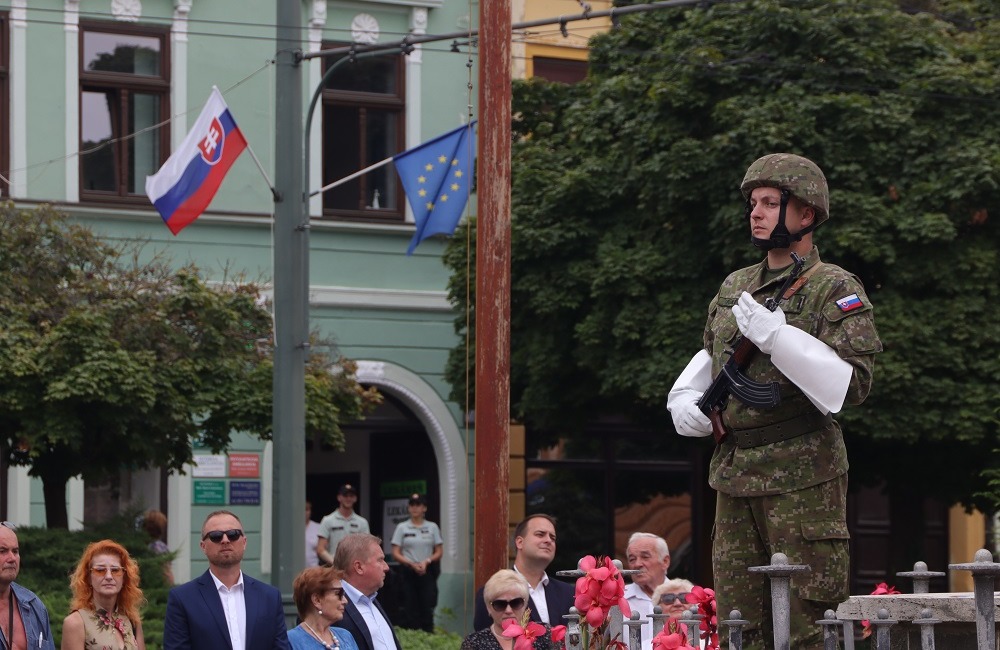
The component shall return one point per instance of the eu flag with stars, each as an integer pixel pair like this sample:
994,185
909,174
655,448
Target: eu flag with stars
436,177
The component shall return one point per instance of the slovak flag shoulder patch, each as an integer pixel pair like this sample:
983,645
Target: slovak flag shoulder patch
850,303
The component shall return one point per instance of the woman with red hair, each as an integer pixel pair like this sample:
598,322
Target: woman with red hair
106,601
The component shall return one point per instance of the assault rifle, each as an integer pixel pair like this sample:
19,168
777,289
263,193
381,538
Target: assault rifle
732,379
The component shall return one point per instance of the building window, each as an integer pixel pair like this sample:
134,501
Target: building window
613,480
4,104
124,94
567,71
364,111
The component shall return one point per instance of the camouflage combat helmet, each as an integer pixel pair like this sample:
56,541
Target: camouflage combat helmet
794,176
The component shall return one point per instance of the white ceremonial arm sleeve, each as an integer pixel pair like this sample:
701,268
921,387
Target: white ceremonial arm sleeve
682,400
813,366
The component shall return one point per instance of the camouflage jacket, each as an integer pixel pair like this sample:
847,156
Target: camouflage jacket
848,328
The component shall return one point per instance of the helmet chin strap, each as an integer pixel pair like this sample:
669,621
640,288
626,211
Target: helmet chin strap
780,237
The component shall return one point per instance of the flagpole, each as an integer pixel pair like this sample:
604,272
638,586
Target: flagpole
274,192
343,180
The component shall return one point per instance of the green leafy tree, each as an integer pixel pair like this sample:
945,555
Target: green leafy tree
111,360
627,214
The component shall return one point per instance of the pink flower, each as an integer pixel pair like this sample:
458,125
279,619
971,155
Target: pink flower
705,599
882,589
670,641
558,633
524,636
599,590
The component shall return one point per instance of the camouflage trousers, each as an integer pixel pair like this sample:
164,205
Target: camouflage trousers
810,527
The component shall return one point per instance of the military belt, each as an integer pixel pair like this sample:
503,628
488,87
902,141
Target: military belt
786,430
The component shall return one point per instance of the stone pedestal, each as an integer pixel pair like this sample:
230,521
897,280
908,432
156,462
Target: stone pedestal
956,611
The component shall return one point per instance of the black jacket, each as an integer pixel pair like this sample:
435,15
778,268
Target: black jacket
354,623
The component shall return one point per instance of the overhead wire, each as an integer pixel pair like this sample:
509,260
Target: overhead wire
134,134
522,37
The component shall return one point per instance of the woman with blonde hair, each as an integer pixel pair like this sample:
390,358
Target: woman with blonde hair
506,596
106,601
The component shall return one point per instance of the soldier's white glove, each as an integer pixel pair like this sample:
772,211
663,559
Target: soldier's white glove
682,400
757,322
809,363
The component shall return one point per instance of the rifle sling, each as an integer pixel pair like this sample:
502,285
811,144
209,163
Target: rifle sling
792,290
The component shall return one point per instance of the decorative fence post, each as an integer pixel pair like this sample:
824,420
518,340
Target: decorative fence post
926,624
921,577
634,626
659,619
574,639
780,572
831,636
735,623
984,572
882,623
692,621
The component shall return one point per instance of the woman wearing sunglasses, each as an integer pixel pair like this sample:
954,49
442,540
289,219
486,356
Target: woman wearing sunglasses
106,601
319,598
506,596
671,598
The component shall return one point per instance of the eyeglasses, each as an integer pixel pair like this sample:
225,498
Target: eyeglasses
500,605
668,599
101,571
338,592
8,524
216,535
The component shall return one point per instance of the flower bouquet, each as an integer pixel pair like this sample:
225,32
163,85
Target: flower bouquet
601,588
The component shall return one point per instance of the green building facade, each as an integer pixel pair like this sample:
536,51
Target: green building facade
95,94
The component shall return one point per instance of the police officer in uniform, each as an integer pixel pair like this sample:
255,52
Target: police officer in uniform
781,473
339,524
417,546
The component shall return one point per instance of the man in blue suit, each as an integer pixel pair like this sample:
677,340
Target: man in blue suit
549,600
360,557
224,608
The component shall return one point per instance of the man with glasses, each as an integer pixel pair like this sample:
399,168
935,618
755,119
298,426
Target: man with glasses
24,621
650,556
224,607
362,560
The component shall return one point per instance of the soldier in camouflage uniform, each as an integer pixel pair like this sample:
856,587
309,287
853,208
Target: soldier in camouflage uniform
781,473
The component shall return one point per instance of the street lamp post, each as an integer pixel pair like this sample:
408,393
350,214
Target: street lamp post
291,305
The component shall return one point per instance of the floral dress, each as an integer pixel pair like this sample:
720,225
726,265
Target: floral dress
99,630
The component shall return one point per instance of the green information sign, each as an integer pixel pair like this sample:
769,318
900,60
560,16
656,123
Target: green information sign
391,489
209,493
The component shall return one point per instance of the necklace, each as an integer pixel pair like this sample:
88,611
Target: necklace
328,646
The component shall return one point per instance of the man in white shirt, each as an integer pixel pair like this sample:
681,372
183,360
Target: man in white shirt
650,555
362,560
224,608
549,600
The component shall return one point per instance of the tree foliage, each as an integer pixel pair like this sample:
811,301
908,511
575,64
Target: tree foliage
109,360
627,213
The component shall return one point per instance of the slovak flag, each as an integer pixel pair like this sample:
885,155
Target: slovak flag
188,181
